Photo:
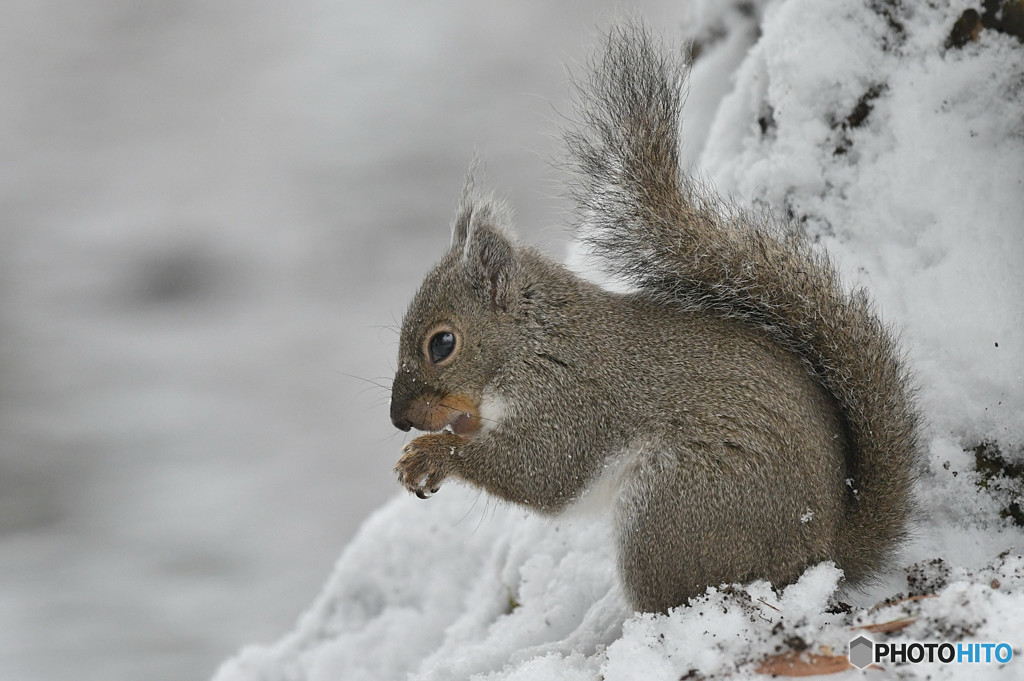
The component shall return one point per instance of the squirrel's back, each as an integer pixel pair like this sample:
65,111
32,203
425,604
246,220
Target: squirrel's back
680,245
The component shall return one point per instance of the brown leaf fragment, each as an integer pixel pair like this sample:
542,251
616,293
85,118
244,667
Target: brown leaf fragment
792,663
889,627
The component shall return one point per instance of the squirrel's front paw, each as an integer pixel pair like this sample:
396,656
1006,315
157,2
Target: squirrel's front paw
427,461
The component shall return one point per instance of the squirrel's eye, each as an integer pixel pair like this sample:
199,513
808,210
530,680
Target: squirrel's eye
441,345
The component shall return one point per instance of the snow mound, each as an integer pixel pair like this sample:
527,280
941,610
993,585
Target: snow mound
897,140
446,590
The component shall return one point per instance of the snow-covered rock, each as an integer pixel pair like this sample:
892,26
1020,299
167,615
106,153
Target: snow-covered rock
898,141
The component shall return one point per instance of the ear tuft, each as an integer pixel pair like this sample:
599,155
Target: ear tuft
467,202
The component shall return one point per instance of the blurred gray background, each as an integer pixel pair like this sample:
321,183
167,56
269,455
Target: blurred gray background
212,215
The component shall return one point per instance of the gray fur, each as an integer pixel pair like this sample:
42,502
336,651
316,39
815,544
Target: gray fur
734,395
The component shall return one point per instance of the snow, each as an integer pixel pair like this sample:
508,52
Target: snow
906,160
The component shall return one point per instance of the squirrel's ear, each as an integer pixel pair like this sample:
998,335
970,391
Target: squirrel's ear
489,253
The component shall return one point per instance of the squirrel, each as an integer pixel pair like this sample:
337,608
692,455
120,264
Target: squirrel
745,414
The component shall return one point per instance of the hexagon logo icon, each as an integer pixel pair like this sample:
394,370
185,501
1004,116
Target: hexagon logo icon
862,652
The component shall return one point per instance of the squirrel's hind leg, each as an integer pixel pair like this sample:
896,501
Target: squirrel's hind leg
698,515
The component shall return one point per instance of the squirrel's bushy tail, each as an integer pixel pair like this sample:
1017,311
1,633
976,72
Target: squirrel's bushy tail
644,218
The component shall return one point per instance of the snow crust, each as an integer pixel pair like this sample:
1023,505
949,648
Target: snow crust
906,159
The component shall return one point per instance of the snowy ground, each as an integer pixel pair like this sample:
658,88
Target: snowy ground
896,137
211,213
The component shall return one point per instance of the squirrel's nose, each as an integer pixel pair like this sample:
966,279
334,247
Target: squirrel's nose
398,415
